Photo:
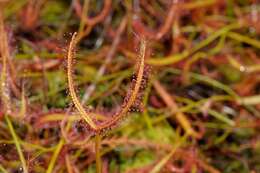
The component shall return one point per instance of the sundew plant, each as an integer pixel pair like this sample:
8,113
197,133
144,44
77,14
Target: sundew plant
129,86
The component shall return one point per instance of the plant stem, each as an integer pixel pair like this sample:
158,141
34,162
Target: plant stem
3,169
17,144
98,155
55,156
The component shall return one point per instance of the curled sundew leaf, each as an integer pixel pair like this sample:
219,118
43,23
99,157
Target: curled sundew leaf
157,35
128,101
72,91
93,20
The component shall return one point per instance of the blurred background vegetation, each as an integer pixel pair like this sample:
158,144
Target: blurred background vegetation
199,105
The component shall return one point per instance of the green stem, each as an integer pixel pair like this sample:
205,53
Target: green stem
2,169
55,156
178,57
207,80
221,117
250,100
236,36
17,144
